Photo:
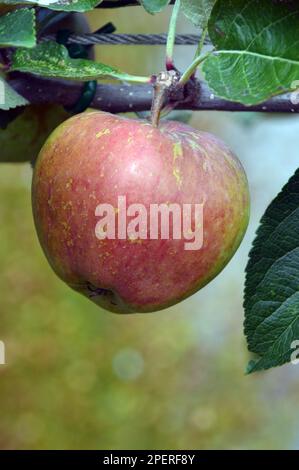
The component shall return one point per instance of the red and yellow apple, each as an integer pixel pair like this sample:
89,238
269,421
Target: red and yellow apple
93,159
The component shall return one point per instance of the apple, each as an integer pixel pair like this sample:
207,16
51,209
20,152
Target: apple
95,160
23,138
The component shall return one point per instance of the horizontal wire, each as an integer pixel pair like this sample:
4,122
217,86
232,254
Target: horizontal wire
121,3
90,39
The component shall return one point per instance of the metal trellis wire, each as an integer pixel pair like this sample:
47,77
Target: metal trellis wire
90,39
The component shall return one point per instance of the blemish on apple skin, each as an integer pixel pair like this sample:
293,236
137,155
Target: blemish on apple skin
130,138
102,132
177,150
69,183
66,226
94,291
97,291
135,240
177,153
149,135
176,173
67,204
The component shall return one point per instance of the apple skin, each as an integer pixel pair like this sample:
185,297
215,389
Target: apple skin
95,157
23,138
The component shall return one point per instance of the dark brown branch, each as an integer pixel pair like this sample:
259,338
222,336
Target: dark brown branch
118,98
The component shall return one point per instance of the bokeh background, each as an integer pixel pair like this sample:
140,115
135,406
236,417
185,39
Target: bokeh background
78,377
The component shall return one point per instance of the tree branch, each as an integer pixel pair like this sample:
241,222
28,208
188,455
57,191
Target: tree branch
117,98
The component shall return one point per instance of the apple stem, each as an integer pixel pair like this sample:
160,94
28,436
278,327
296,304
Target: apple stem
160,96
164,84
171,36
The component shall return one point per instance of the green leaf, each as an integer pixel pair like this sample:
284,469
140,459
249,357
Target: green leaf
271,298
257,49
198,11
17,28
50,59
62,5
9,98
154,6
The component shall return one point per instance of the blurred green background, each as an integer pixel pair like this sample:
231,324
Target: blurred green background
78,377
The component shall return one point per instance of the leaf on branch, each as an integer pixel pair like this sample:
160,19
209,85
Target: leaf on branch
50,59
257,49
198,11
59,5
154,6
272,282
17,28
9,98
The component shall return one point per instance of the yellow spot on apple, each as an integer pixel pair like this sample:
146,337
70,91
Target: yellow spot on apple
177,150
67,204
177,174
69,183
102,132
134,239
177,153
